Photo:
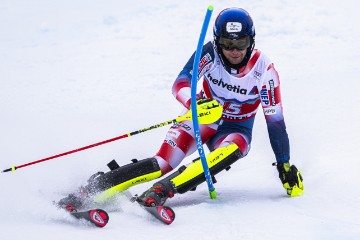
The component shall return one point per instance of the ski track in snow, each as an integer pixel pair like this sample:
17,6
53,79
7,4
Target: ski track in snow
77,73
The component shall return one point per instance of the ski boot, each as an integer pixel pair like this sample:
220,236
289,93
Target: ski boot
158,193
291,179
81,199
70,203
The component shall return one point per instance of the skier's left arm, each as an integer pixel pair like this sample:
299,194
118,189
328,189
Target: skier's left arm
271,103
272,107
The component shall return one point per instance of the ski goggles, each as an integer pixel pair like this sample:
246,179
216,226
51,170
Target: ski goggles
240,44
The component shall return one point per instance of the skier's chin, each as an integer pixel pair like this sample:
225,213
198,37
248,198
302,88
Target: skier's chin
235,60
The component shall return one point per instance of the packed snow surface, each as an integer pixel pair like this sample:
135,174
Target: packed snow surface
73,73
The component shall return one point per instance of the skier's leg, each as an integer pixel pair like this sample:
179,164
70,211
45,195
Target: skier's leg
102,186
229,149
109,184
178,143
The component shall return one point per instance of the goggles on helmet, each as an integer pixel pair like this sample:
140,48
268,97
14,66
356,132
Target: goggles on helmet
240,44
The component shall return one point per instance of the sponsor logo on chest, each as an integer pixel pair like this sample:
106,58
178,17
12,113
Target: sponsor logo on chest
227,86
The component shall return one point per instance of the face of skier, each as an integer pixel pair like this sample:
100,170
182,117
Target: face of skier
234,56
234,49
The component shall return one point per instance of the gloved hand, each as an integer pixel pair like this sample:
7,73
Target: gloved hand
208,111
291,179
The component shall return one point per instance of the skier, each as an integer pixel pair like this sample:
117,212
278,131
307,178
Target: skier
241,78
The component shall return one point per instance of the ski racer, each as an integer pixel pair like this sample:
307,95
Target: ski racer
239,77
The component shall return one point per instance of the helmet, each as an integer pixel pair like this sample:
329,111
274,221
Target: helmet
234,23
234,28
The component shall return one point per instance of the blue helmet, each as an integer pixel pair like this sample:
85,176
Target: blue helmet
234,28
234,23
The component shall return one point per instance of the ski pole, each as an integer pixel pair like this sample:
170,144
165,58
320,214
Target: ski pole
196,121
208,112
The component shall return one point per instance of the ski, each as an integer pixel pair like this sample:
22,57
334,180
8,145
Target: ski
98,217
163,213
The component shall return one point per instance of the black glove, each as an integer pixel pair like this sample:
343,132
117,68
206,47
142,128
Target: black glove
291,179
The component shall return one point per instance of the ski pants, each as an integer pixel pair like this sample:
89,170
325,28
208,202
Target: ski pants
180,142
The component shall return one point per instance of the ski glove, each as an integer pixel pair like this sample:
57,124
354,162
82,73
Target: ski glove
291,179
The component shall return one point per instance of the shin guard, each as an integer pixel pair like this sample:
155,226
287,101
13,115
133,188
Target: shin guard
217,160
109,184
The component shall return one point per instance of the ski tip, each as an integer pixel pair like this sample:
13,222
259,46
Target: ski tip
99,217
163,213
166,214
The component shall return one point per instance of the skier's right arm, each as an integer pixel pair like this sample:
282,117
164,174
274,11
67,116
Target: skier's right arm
181,88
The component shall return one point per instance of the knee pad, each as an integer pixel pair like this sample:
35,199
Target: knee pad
218,160
121,178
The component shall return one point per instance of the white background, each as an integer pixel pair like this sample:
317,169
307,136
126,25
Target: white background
75,73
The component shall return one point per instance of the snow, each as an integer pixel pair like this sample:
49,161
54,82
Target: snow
75,73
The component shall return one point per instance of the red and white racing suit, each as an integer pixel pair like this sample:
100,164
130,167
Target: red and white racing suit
240,91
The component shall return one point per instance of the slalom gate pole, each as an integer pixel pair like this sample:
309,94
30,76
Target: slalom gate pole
194,80
208,113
